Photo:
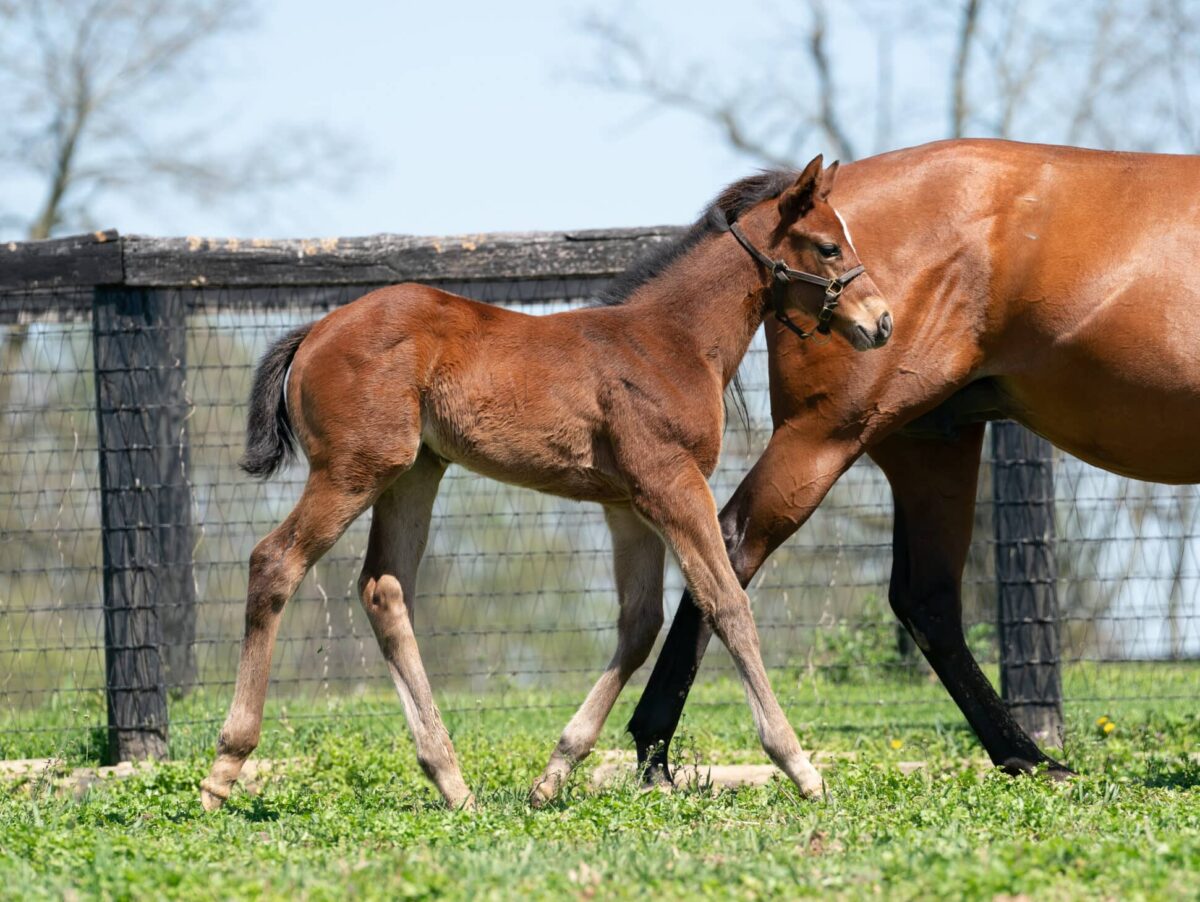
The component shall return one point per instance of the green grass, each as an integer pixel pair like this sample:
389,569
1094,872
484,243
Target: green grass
353,818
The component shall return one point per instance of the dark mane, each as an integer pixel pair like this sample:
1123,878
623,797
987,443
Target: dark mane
731,203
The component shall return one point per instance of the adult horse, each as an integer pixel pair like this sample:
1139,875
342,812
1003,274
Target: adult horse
1050,285
618,404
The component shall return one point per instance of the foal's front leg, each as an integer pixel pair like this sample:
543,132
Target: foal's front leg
399,530
638,556
683,509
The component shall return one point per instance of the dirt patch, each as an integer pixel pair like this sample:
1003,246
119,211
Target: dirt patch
616,767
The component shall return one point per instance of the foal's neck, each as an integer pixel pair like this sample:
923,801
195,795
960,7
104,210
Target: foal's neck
712,297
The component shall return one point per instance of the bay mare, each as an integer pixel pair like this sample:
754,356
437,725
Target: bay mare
1050,285
618,404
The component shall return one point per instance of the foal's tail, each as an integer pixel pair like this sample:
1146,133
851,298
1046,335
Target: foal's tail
270,441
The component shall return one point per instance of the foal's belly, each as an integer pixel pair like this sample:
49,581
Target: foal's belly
579,469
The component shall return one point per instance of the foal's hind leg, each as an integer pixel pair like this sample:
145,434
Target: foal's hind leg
638,556
684,510
277,567
399,529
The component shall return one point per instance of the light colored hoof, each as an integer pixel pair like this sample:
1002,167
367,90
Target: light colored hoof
468,804
544,791
211,795
814,790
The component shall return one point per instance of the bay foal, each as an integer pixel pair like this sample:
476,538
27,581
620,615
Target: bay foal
618,404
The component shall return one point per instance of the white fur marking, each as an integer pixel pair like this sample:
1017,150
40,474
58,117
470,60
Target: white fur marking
846,229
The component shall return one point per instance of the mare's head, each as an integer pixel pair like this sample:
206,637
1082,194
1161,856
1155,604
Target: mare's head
812,239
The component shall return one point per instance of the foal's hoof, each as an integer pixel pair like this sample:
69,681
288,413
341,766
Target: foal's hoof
468,804
543,793
212,797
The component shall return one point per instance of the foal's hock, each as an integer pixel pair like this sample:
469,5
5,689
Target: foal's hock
620,404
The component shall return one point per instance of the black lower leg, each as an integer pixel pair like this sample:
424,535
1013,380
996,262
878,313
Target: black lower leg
656,717
1008,746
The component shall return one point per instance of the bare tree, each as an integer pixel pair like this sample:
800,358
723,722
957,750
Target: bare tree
90,92
1092,72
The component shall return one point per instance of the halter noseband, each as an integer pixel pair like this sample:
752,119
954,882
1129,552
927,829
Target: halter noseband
782,275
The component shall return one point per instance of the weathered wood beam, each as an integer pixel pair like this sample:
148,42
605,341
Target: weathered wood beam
105,258
78,261
382,259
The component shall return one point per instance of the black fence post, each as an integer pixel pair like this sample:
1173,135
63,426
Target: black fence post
149,596
1026,577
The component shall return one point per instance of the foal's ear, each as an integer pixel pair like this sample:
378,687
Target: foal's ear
827,179
798,199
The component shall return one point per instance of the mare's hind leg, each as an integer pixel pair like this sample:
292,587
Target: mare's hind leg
684,510
638,556
277,567
399,529
933,481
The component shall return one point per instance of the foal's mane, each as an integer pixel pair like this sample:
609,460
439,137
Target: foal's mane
731,203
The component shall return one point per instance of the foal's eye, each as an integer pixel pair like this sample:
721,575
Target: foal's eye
829,250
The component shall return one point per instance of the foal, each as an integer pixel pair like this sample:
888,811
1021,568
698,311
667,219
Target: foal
618,404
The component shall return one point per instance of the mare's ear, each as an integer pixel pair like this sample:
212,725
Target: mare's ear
798,199
825,185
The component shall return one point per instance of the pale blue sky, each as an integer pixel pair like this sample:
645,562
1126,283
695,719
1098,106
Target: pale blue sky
474,113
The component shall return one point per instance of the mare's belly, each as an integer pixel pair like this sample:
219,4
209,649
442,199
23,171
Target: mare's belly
1136,414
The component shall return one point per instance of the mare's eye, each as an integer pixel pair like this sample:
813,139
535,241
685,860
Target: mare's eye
829,250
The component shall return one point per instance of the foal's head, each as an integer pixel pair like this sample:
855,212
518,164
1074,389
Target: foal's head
811,237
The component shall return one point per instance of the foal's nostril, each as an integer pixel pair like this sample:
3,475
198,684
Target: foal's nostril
885,326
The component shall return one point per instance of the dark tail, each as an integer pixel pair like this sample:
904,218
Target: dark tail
270,442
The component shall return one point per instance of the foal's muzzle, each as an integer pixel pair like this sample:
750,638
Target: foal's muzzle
865,339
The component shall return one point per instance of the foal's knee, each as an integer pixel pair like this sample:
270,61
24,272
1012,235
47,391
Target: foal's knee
732,620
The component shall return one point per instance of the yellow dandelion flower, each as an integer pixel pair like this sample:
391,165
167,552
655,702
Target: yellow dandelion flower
1102,721
1109,727
896,744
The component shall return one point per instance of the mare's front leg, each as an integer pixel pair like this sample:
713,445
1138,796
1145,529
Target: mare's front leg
934,483
399,531
682,508
638,557
778,495
277,567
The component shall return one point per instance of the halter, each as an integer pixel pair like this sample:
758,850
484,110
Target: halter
782,275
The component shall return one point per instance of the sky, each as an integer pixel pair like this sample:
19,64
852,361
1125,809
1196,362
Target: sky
472,116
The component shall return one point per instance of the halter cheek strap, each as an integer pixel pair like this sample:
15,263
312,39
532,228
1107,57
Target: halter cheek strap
782,275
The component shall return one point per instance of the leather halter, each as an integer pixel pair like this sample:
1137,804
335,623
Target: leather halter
782,275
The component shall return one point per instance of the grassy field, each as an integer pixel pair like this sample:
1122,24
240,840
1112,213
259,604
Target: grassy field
350,816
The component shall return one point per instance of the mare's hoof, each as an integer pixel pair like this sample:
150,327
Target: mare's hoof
657,776
1016,767
212,797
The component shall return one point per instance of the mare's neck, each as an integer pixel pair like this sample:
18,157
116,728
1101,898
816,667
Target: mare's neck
712,298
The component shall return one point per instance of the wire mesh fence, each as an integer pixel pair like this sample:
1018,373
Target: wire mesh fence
516,599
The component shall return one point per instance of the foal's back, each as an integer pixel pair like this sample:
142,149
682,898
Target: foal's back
548,402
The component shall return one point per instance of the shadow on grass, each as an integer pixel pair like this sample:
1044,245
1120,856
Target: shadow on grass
1172,773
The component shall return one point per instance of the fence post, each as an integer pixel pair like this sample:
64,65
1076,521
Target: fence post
1026,577
149,595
